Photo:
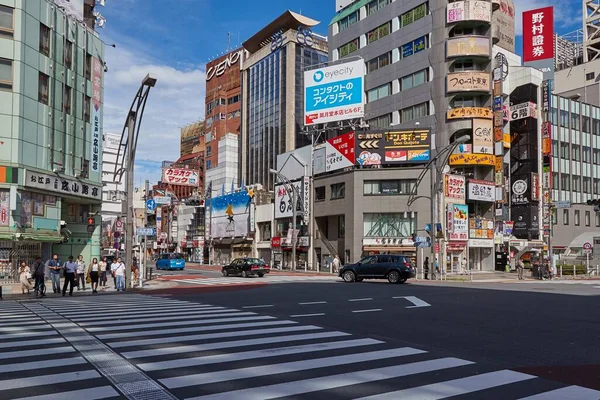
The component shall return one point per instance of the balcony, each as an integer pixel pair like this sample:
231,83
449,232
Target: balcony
468,46
468,81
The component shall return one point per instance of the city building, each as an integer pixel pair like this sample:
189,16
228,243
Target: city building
273,93
51,94
192,139
225,173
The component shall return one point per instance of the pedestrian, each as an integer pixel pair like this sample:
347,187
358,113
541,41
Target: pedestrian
70,268
103,266
118,269
336,264
135,270
426,267
54,265
38,274
24,277
520,268
81,272
436,265
463,265
94,274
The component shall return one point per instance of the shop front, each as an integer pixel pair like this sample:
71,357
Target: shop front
389,245
481,254
456,255
302,248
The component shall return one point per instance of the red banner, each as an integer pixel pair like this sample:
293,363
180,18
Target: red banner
276,242
538,34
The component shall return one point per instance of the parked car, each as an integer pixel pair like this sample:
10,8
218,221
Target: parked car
394,268
246,267
170,261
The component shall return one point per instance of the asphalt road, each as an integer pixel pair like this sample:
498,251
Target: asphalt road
309,341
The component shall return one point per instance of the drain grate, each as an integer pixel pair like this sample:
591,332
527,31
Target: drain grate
130,381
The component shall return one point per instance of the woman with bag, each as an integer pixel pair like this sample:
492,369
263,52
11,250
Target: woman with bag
103,268
24,277
93,274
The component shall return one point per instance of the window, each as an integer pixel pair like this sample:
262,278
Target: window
222,116
577,221
464,66
576,183
565,217
208,151
565,182
554,147
383,121
389,187
464,101
233,100
596,126
44,40
379,62
564,118
338,191
341,226
598,219
320,193
596,156
43,89
586,154
574,121
348,48
376,5
6,22
348,21
88,67
87,101
564,150
587,185
586,124
590,76
596,186
68,54
575,150
208,164
587,218
379,92
555,180
379,32
67,99
416,79
413,15
414,112
6,74
396,225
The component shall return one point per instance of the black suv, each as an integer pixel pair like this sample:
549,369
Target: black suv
394,268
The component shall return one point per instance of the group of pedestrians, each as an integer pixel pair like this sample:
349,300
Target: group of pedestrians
76,274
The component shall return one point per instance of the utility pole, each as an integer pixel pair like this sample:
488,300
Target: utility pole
129,213
434,194
294,215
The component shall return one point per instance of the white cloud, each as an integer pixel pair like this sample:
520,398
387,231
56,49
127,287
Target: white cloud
567,14
175,101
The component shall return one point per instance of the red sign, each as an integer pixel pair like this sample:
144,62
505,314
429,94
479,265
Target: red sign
276,242
538,34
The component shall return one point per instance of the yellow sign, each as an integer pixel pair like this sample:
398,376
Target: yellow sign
468,46
468,81
499,163
472,159
470,112
507,141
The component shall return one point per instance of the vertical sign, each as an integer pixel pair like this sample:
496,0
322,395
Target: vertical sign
538,40
4,208
306,199
96,139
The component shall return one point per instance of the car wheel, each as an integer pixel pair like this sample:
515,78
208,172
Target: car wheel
225,273
260,275
349,276
245,274
394,277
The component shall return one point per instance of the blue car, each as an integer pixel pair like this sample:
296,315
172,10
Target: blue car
170,261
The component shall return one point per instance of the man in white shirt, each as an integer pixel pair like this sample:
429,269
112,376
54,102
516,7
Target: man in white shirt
118,270
70,268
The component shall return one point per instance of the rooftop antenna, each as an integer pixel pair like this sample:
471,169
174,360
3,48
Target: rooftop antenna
228,40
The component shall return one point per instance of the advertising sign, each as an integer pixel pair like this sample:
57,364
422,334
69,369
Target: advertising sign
535,187
483,136
306,199
96,139
469,112
460,222
283,200
454,188
73,8
4,207
339,152
334,93
504,20
55,184
414,47
219,69
482,190
393,147
467,46
472,159
523,110
499,163
275,242
520,192
180,176
468,81
538,34
469,10
162,200
230,215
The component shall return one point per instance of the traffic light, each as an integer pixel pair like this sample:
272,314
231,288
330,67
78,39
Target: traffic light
91,221
91,225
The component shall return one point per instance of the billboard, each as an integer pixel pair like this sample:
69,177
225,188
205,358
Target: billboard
230,215
504,20
538,34
283,200
469,112
334,93
522,110
468,10
482,190
96,139
454,188
393,147
457,222
180,176
73,8
339,152
472,159
467,46
468,81
483,136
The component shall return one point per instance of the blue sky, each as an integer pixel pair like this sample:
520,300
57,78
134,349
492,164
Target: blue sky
174,40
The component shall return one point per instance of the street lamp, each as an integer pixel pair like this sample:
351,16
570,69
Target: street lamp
291,190
125,161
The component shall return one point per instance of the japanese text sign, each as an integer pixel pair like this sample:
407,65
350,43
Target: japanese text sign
538,34
180,176
482,190
482,136
334,93
460,221
55,184
468,81
339,152
96,139
454,188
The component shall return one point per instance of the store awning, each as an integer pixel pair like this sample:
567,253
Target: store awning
40,237
390,248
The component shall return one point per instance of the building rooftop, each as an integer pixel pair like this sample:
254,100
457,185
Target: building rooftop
287,20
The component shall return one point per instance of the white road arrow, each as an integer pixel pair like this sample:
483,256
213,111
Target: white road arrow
415,300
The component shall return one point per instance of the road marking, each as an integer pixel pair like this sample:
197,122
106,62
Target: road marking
39,380
39,342
136,315
219,335
336,381
371,310
36,352
261,306
312,302
306,315
109,313
42,364
567,393
283,368
415,300
229,345
364,299
454,387
597,287
96,393
157,319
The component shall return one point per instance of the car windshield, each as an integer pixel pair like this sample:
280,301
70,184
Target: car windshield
176,256
367,260
254,261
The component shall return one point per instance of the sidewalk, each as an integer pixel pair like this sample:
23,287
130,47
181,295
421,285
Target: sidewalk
203,267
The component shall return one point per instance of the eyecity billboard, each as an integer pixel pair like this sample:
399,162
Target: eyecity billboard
334,93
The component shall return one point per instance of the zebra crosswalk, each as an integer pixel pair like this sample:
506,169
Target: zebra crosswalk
232,280
123,345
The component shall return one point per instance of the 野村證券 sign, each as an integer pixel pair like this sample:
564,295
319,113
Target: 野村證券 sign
538,34
334,93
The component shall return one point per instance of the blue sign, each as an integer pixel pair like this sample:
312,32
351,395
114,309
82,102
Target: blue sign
144,231
419,44
150,205
333,94
407,50
498,103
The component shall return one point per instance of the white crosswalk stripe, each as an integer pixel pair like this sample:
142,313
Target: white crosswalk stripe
209,352
232,280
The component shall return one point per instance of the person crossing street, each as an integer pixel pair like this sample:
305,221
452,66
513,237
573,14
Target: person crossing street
70,271
39,276
55,268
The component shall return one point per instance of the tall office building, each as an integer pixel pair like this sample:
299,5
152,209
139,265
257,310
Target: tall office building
273,93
